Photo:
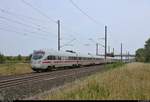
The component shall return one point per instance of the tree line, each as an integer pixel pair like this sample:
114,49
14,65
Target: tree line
143,54
14,59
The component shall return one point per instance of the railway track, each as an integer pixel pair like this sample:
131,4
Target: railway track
11,82
54,77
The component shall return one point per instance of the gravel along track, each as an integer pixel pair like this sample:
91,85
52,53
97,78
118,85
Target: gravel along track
23,86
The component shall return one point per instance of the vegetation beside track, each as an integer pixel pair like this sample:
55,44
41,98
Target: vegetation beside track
130,81
22,68
114,65
14,69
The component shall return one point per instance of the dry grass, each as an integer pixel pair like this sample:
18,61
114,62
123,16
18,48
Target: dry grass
130,82
14,69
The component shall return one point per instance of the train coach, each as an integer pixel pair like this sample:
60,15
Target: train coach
43,60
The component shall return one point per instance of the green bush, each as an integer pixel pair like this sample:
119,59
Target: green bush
114,65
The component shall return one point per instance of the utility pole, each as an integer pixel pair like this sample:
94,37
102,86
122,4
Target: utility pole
105,42
97,49
58,35
121,52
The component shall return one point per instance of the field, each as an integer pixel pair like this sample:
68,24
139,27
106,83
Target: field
14,69
131,81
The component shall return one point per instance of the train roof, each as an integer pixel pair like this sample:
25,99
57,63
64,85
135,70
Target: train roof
57,53
64,53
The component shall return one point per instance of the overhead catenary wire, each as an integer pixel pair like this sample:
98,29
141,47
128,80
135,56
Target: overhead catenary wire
43,14
24,30
16,16
21,15
21,33
84,13
27,25
40,12
69,42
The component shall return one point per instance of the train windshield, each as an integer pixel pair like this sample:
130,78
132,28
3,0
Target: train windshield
38,55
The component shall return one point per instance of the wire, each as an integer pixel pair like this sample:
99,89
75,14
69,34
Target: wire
35,33
83,12
38,11
43,14
25,34
16,15
14,21
69,42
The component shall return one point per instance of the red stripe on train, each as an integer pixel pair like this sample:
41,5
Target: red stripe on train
46,62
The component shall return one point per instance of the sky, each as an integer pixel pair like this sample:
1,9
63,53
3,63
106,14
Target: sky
24,29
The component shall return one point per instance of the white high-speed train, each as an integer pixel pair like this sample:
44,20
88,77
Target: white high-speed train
43,60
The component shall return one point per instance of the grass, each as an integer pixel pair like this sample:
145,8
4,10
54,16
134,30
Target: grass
114,65
14,69
127,82
22,68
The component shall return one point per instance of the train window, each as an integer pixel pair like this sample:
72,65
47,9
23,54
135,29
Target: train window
51,58
69,58
75,58
59,58
72,58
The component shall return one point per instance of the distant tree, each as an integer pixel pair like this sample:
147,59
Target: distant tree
19,57
9,58
28,58
2,58
140,55
147,50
